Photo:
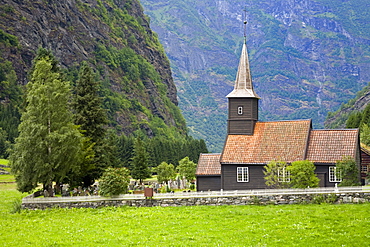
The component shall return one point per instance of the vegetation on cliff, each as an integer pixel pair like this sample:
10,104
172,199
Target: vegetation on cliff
115,39
307,57
108,54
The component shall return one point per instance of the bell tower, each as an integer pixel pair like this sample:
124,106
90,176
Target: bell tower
243,101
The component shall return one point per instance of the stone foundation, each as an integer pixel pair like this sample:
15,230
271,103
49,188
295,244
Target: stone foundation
211,201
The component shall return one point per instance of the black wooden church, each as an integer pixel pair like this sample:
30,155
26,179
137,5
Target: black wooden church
251,144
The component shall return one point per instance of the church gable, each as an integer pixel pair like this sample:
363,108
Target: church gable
280,140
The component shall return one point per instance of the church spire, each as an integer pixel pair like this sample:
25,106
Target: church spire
243,84
243,101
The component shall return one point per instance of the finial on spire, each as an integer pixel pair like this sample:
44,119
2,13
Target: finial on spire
245,24
243,84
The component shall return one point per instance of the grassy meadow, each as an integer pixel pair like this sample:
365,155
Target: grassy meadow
289,225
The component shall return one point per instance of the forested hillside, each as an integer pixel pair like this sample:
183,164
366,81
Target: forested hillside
115,39
339,118
307,57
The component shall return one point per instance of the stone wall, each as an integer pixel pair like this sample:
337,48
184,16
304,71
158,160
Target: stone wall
211,201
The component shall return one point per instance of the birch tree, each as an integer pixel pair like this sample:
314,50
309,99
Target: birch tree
49,143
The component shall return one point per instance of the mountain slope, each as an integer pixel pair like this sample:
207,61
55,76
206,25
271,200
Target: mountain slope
115,38
307,57
339,118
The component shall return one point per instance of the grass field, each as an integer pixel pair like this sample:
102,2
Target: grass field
290,225
4,162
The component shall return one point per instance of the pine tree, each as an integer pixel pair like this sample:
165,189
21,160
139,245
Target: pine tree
49,144
365,134
366,116
4,144
125,150
139,162
354,120
91,118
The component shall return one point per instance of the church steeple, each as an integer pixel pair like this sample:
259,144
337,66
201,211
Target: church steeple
243,101
243,83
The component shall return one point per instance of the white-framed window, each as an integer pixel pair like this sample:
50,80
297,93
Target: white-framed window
283,174
364,168
334,175
242,174
240,110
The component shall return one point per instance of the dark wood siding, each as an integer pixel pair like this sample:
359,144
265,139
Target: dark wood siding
322,172
255,109
256,177
250,108
229,179
241,127
205,183
244,123
365,161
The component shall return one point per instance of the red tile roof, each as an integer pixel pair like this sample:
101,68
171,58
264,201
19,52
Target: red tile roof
209,164
328,146
280,140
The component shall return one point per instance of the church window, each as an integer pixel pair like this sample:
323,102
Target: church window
242,174
283,175
364,168
240,110
334,174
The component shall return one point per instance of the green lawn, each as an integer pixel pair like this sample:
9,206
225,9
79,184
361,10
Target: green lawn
7,178
4,162
289,225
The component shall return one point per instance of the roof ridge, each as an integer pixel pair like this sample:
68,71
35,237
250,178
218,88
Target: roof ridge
354,129
297,120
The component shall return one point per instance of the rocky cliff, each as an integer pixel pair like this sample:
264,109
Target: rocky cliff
339,118
307,56
114,36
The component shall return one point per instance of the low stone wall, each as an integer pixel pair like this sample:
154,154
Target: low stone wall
211,201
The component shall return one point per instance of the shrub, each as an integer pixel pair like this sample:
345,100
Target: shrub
349,172
114,181
303,175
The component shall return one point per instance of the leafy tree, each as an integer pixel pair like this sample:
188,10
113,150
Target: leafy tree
139,161
365,134
276,174
91,118
49,144
114,181
165,172
41,54
348,171
302,174
187,169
